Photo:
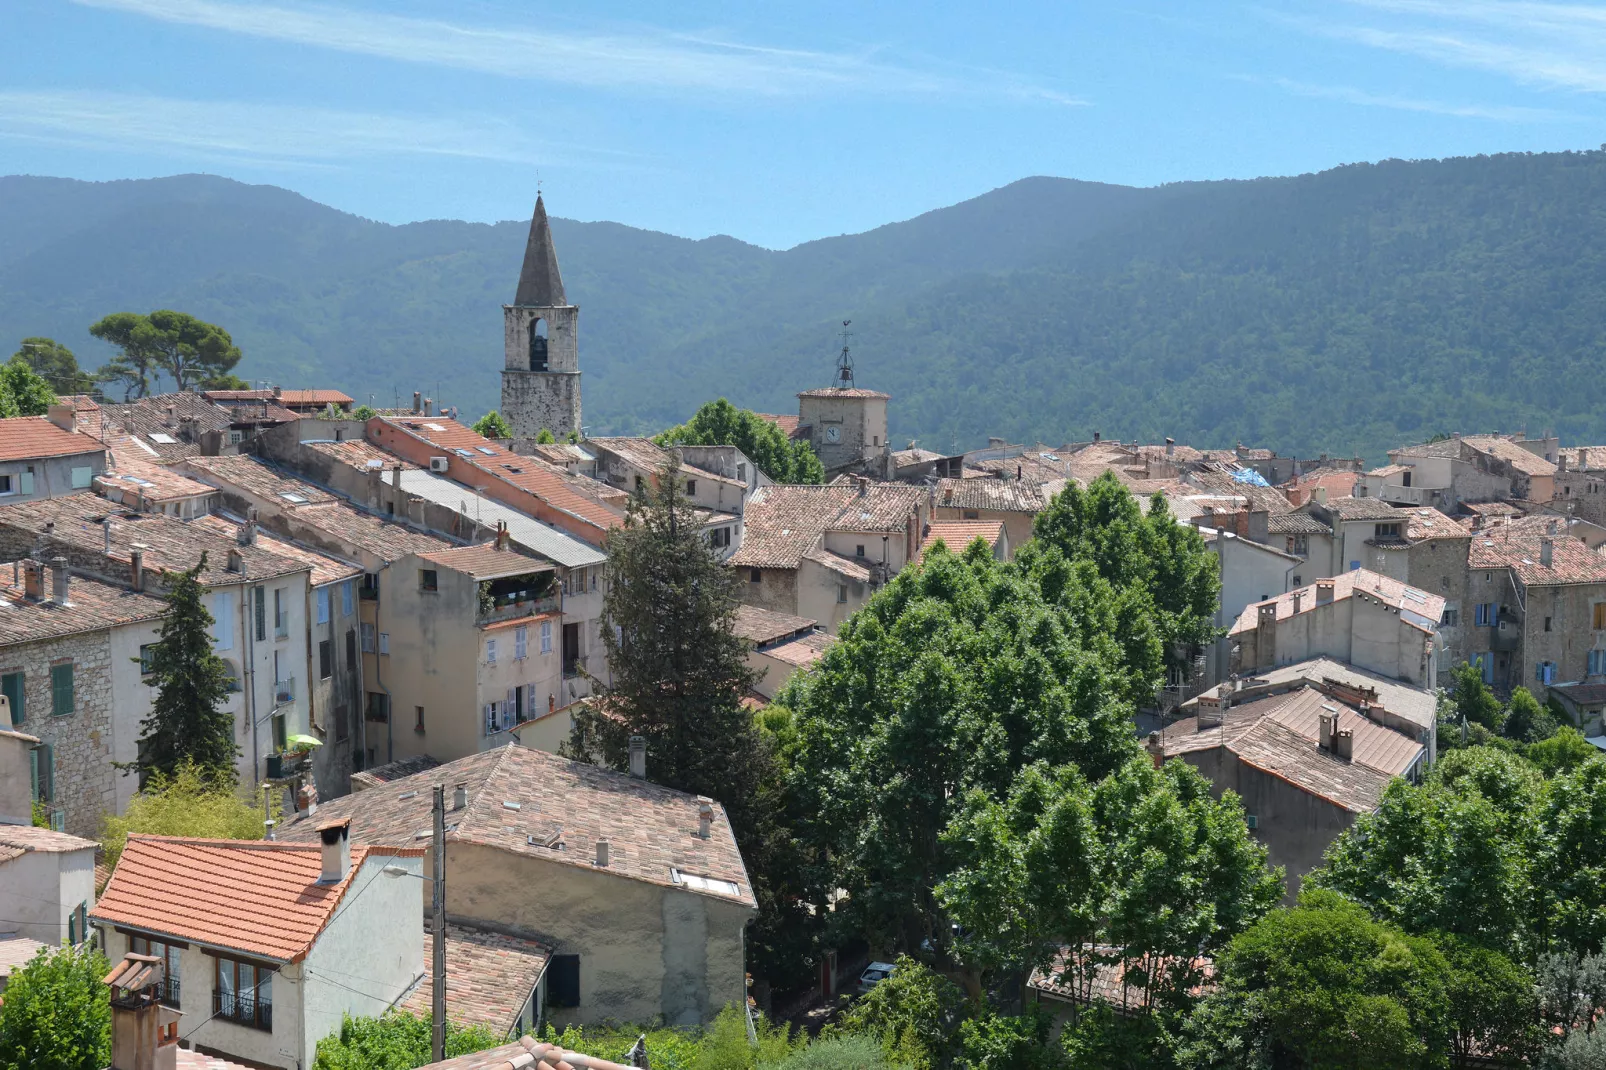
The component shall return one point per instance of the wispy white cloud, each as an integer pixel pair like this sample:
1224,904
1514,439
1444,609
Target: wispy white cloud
258,132
1351,95
640,59
1544,44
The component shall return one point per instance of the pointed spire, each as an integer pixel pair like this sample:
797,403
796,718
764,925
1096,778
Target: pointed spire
540,285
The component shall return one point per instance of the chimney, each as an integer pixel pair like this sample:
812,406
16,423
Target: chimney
172,415
1343,742
1324,592
1325,732
1550,527
248,530
1156,748
336,837
1017,473
1096,436
236,561
278,391
638,757
418,402
1320,494
705,817
501,535
136,566
144,1033
459,796
63,416
1170,448
395,476
1455,436
429,406
947,495
864,485
33,580
602,850
1561,460
1547,547
60,580
106,527
1299,597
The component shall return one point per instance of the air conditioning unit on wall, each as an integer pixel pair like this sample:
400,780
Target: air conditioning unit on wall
439,464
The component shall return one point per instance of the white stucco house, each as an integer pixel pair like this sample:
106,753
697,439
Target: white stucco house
47,884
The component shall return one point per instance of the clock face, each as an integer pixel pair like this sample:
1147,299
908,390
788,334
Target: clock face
833,434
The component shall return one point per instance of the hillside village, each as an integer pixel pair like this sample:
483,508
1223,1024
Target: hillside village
406,608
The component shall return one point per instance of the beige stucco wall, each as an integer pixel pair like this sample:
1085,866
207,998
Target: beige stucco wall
818,590
41,889
1017,526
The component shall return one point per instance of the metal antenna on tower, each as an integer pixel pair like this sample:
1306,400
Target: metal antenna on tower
844,363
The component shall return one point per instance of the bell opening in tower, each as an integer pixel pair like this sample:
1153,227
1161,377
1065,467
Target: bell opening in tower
538,346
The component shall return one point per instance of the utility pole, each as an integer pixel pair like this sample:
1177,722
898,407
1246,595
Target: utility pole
438,928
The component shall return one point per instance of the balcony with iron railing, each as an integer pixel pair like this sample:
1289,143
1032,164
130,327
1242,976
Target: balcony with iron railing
573,666
243,1009
284,692
524,596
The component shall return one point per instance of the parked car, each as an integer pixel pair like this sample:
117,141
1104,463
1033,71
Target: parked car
873,975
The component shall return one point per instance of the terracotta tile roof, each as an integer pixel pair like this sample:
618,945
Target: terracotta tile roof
802,651
135,474
1267,499
259,478
785,521
1402,596
256,897
1587,458
1296,523
325,567
489,977
1518,549
1390,470
905,458
1032,468
1108,984
314,397
1000,495
643,453
762,626
843,392
148,420
358,453
485,562
1445,447
787,424
1360,509
24,438
17,951
172,544
846,567
47,841
190,1059
1425,523
384,538
1491,509
1416,704
237,395
651,828
1508,451
530,474
957,535
525,1054
1338,482
87,410
383,774
91,606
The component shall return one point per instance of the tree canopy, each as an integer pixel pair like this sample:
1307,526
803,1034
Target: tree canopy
492,425
22,391
719,423
186,804
57,1014
56,365
192,352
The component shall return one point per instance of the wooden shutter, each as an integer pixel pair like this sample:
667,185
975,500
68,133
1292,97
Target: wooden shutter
61,690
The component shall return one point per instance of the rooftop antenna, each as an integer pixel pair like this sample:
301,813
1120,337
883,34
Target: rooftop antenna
844,363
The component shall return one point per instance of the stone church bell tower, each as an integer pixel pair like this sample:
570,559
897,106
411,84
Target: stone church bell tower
541,370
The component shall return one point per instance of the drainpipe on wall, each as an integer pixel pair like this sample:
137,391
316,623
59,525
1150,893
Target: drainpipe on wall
249,674
379,682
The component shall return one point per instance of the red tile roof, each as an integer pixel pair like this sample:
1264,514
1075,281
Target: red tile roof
525,1054
48,841
787,424
990,492
489,978
314,397
485,561
325,568
24,438
1517,546
91,606
957,535
760,626
259,898
784,522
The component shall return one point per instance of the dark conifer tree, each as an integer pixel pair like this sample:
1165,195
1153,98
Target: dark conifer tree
186,723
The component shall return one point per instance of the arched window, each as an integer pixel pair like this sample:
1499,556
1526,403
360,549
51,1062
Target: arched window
538,346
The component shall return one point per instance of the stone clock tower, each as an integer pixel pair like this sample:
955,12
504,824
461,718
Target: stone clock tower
541,343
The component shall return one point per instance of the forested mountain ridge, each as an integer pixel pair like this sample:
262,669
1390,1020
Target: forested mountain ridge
1347,310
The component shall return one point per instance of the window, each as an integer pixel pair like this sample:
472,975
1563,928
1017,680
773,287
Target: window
378,706
169,954
490,651
147,658
498,718
1252,821
858,551
1451,618
691,486
281,614
538,346
42,772
367,637
11,688
243,992
323,605
755,576
719,538
521,643
563,981
280,729
5,485
223,620
970,514
83,476
345,598
61,689
841,592
638,482
1597,662
351,650
1599,609
1485,615
326,659
384,643
418,723
704,884
546,637
1545,671
741,472
427,580
370,588
260,596
1547,624
1296,583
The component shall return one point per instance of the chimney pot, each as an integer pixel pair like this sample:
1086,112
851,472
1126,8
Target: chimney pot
638,757
1547,547
459,796
278,391
602,850
1156,748
136,566
429,406
336,837
1325,732
1299,598
1324,592
63,416
418,402
106,527
1096,436
1343,742
395,476
248,530
60,580
705,816
33,582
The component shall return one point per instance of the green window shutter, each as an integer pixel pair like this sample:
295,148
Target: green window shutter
42,770
61,691
11,687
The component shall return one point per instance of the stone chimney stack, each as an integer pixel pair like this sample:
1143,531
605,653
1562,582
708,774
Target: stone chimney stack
336,837
33,580
459,796
602,850
60,581
1324,592
63,416
429,406
144,1033
1320,494
638,757
1299,598
1096,436
136,566
1156,748
418,402
1325,731
1547,550
1343,742
248,530
705,816
1170,448
395,476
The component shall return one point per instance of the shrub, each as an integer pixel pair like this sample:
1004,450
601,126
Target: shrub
185,805
394,1041
848,1051
57,1014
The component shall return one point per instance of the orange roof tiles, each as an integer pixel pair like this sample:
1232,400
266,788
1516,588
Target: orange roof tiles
957,535
990,492
489,978
91,606
787,424
760,626
260,478
255,897
325,568
525,1053
27,437
784,522
358,453
314,397
1517,546
485,562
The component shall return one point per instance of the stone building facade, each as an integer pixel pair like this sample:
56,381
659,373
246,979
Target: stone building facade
541,343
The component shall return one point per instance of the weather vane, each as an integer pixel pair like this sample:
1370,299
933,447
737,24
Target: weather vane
844,363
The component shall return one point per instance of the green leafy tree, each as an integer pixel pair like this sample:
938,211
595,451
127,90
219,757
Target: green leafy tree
545,437
1526,721
1471,698
364,412
57,1014
1332,987
187,804
22,391
55,364
1562,752
491,425
187,722
191,351
719,423
914,1012
1493,1008
394,1041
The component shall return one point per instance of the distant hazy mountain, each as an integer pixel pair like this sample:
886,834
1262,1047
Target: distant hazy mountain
1348,310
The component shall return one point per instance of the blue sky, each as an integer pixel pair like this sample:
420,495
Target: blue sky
775,122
